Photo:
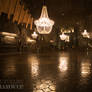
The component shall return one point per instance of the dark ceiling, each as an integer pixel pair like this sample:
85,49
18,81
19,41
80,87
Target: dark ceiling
60,9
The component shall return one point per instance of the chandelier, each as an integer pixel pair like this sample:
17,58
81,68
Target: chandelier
34,35
64,37
44,24
85,34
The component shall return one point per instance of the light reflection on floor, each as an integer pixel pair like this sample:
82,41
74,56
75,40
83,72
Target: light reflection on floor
40,85
44,86
63,63
50,72
33,65
10,67
85,69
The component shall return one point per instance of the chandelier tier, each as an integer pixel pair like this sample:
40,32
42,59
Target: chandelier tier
44,24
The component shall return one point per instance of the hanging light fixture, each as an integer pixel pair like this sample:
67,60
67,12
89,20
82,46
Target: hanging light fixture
34,35
64,37
85,34
44,24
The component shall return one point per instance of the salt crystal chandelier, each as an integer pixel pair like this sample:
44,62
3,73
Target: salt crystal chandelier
34,35
44,24
85,34
63,36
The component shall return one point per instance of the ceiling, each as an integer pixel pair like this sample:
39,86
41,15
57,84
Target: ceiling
60,10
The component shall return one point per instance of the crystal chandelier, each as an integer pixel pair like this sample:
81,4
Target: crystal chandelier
64,37
85,34
34,35
44,24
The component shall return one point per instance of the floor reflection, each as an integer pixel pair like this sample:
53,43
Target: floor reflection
85,71
44,86
40,84
10,67
50,72
34,65
63,65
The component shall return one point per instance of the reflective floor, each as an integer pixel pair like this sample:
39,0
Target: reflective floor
63,71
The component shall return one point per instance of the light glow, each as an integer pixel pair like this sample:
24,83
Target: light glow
30,40
9,39
63,64
34,35
44,24
45,86
85,34
8,34
51,41
85,69
34,65
64,37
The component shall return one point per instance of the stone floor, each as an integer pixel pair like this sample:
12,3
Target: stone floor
53,71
